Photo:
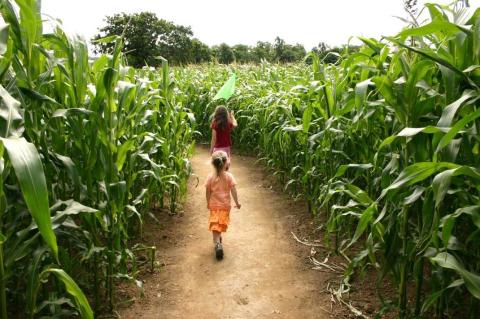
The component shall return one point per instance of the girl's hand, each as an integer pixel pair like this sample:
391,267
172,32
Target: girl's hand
238,205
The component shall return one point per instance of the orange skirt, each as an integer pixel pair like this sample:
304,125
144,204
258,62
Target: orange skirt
219,220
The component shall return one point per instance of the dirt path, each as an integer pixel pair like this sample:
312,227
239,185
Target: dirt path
264,273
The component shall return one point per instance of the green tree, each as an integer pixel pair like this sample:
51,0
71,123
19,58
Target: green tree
298,52
141,33
175,42
242,53
201,52
279,48
286,52
224,54
263,51
146,37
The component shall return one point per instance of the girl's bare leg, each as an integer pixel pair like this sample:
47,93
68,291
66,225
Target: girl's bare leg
216,236
217,239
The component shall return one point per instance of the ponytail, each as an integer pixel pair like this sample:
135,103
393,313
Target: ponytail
219,160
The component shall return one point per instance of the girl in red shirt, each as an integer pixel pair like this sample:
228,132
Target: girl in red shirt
222,125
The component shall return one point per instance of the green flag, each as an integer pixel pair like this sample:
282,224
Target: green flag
226,91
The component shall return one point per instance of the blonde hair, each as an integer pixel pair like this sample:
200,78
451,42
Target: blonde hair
219,160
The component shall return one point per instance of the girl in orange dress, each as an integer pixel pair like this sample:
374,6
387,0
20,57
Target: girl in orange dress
219,186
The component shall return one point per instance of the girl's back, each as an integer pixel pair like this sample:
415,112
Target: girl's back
220,187
223,138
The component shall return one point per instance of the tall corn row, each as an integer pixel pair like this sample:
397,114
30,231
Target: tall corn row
384,146
88,147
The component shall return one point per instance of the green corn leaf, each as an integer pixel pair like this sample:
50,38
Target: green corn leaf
34,279
343,168
472,280
11,122
359,195
441,182
473,211
372,43
71,111
72,288
432,298
440,185
117,192
417,73
435,13
389,140
435,26
71,168
29,171
452,132
307,118
447,228
37,96
361,92
292,181
417,193
30,24
296,128
430,54
448,222
122,153
365,219
10,16
412,131
385,86
416,173
108,39
3,38
71,208
471,68
450,111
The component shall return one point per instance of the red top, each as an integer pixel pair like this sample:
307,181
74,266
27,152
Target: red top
223,136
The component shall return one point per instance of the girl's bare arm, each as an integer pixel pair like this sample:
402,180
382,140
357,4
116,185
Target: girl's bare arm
235,197
233,120
208,193
214,140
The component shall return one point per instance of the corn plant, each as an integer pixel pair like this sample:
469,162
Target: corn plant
88,147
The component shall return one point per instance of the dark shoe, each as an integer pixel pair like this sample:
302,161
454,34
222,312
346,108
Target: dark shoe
218,251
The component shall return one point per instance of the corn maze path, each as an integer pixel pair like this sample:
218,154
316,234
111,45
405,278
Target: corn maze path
265,273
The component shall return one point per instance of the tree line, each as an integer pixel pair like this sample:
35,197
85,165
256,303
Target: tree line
147,38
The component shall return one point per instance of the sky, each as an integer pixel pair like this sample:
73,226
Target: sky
307,22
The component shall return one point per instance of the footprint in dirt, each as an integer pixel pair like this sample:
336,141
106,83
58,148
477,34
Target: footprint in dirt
240,300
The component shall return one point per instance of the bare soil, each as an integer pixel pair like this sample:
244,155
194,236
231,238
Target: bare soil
265,272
